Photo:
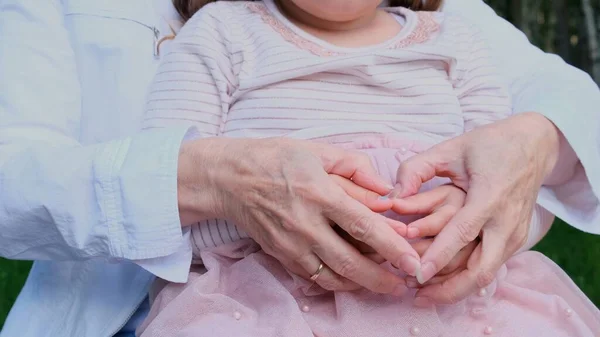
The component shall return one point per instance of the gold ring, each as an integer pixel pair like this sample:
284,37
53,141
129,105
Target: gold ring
316,275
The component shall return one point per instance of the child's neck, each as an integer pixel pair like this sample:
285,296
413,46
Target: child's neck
372,28
307,20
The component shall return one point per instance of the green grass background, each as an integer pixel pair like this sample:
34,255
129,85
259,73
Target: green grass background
576,252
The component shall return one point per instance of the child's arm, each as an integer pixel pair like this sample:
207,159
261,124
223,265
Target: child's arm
477,82
193,84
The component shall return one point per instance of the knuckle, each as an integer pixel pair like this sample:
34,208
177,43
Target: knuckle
361,228
346,267
485,278
467,232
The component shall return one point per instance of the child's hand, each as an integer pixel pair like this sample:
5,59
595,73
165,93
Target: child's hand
438,205
371,199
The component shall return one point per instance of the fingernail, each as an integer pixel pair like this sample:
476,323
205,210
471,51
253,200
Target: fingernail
412,283
409,264
419,275
399,290
412,232
384,197
423,302
427,271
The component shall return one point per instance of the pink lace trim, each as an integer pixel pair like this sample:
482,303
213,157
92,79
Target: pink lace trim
287,33
426,26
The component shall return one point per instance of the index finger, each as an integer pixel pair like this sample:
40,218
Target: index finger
481,270
374,230
463,228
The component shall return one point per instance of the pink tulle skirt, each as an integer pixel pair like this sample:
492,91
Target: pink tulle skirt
241,291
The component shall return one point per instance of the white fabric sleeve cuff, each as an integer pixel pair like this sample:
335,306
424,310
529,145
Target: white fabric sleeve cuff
137,186
174,267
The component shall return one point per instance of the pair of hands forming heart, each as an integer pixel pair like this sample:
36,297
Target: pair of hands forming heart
437,207
502,167
283,193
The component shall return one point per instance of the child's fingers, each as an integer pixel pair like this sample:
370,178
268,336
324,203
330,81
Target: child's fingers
421,246
422,203
372,200
432,224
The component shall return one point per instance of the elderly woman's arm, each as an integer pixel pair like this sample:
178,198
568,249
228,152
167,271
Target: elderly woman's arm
126,198
59,199
502,166
543,83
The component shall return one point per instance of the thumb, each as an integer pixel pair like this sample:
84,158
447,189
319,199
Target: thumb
423,167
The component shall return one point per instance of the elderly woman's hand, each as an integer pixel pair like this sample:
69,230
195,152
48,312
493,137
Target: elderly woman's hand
280,192
437,206
501,166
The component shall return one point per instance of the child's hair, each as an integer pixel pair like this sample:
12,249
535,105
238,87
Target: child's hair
187,8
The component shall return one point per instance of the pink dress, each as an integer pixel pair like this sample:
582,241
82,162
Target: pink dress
241,69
